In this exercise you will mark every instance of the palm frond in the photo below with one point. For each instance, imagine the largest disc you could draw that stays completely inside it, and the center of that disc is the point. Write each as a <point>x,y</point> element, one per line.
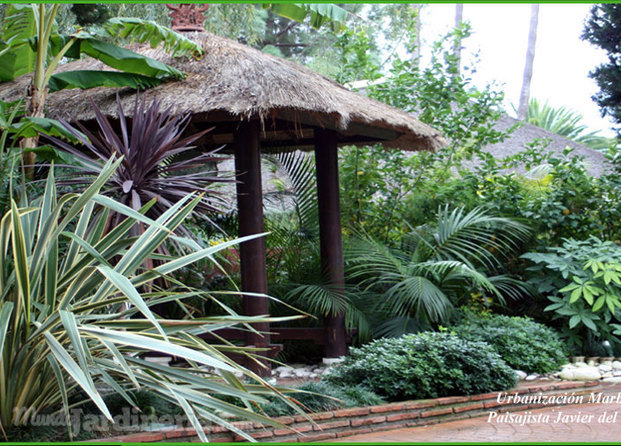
<point>564,122</point>
<point>418,296</point>
<point>476,236</point>
<point>426,276</point>
<point>511,287</point>
<point>298,168</point>
<point>395,327</point>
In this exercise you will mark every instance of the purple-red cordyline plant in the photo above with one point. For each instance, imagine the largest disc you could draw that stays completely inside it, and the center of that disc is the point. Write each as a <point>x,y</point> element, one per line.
<point>156,159</point>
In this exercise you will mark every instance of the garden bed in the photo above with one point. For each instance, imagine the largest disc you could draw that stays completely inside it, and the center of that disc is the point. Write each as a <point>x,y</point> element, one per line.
<point>360,420</point>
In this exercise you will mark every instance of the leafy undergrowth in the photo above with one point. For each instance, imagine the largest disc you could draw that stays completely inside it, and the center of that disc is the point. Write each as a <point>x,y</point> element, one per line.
<point>323,396</point>
<point>523,343</point>
<point>424,365</point>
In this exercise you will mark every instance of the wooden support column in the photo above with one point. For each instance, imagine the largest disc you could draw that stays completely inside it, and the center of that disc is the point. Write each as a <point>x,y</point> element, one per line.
<point>331,243</point>
<point>250,214</point>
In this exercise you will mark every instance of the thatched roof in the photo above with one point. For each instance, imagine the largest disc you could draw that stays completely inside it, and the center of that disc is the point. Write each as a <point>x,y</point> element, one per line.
<point>595,161</point>
<point>234,82</point>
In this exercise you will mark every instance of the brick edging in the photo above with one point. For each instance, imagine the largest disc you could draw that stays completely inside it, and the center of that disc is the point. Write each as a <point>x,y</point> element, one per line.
<point>361,420</point>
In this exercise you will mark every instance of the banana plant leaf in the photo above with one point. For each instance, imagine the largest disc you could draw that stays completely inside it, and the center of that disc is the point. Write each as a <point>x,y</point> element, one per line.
<point>139,30</point>
<point>30,126</point>
<point>86,79</point>
<point>319,13</point>
<point>112,55</point>
<point>16,59</point>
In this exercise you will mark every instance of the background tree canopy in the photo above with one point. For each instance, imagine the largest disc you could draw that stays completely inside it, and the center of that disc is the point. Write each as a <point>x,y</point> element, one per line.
<point>603,29</point>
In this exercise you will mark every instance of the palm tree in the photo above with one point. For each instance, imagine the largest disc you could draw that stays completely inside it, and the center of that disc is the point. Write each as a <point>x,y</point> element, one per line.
<point>418,284</point>
<point>459,18</point>
<point>294,260</point>
<point>565,122</point>
<point>416,9</point>
<point>530,58</point>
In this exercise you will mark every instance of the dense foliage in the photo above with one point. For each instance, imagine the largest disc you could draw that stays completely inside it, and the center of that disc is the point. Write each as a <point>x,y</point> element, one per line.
<point>583,281</point>
<point>425,232</point>
<point>154,146</point>
<point>377,182</point>
<point>523,344</point>
<point>603,28</point>
<point>436,266</point>
<point>425,365</point>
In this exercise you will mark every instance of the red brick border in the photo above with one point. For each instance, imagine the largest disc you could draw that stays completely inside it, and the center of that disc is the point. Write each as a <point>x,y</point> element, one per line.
<point>361,420</point>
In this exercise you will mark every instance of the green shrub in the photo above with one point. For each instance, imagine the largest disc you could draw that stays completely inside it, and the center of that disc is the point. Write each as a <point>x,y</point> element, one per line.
<point>582,280</point>
<point>523,343</point>
<point>424,365</point>
<point>324,396</point>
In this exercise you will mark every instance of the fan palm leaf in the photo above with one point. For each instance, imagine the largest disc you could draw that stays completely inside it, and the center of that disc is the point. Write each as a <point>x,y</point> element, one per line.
<point>423,278</point>
<point>294,255</point>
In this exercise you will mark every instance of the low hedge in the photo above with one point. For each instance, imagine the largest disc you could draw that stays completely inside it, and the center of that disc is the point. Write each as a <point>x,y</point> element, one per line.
<point>523,343</point>
<point>424,365</point>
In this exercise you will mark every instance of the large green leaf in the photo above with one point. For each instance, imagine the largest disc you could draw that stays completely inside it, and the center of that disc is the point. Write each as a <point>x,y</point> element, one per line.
<point>19,25</point>
<point>129,61</point>
<point>142,31</point>
<point>114,56</point>
<point>319,13</point>
<point>86,79</point>
<point>30,126</point>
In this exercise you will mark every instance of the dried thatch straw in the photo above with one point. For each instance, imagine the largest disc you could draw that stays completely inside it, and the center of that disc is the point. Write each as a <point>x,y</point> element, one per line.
<point>594,160</point>
<point>240,82</point>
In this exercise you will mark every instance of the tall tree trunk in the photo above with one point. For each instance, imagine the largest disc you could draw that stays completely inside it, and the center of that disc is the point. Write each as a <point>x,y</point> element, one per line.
<point>417,24</point>
<point>528,67</point>
<point>459,17</point>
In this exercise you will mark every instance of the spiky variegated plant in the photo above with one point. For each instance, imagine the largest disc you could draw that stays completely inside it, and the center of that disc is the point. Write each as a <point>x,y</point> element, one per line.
<point>154,166</point>
<point>72,318</point>
<point>419,283</point>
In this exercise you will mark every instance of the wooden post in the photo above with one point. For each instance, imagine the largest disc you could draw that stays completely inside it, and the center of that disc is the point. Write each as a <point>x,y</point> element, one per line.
<point>250,215</point>
<point>331,243</point>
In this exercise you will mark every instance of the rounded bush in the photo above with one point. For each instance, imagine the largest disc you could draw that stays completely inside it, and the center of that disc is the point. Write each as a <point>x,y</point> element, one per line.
<point>523,343</point>
<point>424,365</point>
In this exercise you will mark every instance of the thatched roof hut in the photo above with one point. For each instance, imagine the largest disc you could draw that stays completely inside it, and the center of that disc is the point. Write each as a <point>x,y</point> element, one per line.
<point>258,103</point>
<point>595,162</point>
<point>235,82</point>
